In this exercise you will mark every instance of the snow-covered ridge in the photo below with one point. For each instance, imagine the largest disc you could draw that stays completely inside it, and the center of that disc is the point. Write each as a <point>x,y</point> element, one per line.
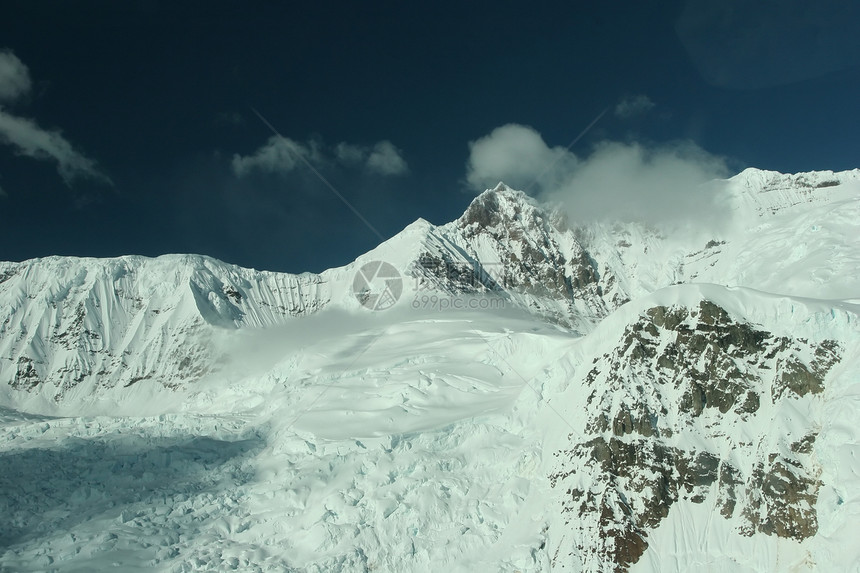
<point>770,192</point>
<point>82,324</point>
<point>215,286</point>
<point>77,324</point>
<point>69,321</point>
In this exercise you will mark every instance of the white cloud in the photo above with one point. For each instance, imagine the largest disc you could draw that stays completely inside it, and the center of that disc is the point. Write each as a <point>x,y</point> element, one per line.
<point>29,139</point>
<point>14,77</point>
<point>283,155</point>
<point>32,141</point>
<point>350,154</point>
<point>517,155</point>
<point>385,159</point>
<point>626,181</point>
<point>278,155</point>
<point>666,184</point>
<point>633,105</point>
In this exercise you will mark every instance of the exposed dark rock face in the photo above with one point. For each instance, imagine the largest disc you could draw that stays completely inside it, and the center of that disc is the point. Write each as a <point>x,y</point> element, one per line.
<point>26,376</point>
<point>534,255</point>
<point>782,496</point>
<point>484,212</point>
<point>457,277</point>
<point>531,258</point>
<point>675,371</point>
<point>629,499</point>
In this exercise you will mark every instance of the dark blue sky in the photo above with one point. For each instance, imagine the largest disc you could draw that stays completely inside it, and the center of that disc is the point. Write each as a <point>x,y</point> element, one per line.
<point>383,99</point>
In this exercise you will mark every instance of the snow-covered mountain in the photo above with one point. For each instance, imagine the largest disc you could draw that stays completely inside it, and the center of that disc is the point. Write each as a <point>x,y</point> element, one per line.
<point>78,325</point>
<point>508,391</point>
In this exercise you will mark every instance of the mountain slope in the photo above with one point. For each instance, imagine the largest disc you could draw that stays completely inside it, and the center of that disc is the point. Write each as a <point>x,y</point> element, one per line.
<point>527,395</point>
<point>81,325</point>
<point>84,325</point>
<point>684,402</point>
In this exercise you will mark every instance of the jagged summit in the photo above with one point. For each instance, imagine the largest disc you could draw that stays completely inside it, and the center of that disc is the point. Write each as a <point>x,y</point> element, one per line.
<point>503,207</point>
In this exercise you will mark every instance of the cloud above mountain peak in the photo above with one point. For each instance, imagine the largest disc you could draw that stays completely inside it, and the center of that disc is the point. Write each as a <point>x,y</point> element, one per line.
<point>626,181</point>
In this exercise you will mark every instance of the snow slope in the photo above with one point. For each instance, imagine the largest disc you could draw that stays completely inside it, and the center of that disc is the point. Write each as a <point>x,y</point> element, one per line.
<point>538,398</point>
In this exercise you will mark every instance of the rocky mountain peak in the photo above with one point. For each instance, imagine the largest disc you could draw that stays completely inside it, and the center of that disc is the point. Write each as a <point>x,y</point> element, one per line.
<point>502,208</point>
